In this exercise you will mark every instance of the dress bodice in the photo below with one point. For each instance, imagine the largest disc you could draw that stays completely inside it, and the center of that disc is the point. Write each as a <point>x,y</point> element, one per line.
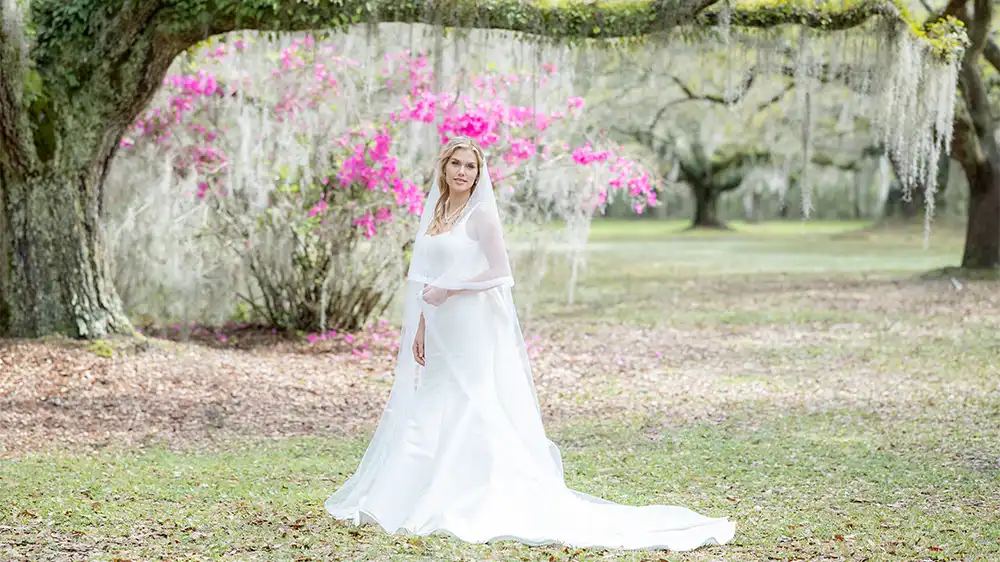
<point>451,255</point>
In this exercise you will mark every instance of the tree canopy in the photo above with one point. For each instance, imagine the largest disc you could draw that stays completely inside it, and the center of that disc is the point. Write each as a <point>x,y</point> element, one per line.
<point>65,44</point>
<point>74,74</point>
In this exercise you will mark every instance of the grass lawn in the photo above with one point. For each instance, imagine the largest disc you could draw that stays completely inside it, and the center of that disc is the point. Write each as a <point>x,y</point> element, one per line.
<point>799,379</point>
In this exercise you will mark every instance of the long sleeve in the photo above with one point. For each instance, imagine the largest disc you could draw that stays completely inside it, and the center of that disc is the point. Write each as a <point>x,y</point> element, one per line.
<point>485,228</point>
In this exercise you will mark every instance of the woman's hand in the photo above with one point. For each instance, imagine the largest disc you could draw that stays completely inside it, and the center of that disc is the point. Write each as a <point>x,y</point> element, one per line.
<point>435,296</point>
<point>418,345</point>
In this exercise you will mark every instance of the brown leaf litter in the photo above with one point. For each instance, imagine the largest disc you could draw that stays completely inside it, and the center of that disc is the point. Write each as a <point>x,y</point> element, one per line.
<point>56,393</point>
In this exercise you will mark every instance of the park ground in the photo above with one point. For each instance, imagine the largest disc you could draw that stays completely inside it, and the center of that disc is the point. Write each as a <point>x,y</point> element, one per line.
<point>802,379</point>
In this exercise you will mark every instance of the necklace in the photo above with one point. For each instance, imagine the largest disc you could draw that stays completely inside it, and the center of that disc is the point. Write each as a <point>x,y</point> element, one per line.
<point>445,221</point>
<point>450,217</point>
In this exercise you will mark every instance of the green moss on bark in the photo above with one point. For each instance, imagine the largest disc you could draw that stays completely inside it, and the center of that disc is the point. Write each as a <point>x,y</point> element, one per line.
<point>560,20</point>
<point>56,280</point>
<point>42,115</point>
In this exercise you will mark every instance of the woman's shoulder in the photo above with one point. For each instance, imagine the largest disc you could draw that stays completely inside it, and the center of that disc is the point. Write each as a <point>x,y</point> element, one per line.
<point>485,213</point>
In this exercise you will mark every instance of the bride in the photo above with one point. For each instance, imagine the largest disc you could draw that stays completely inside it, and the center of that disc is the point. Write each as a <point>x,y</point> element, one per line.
<point>460,448</point>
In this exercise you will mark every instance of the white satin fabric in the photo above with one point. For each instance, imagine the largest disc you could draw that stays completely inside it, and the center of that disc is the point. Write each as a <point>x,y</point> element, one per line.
<point>460,448</point>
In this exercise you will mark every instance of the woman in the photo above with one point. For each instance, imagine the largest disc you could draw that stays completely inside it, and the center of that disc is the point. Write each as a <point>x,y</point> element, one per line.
<point>460,448</point>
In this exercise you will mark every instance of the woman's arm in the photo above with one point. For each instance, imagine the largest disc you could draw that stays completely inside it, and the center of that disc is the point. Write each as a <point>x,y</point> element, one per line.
<point>453,292</point>
<point>488,232</point>
<point>418,342</point>
<point>484,228</point>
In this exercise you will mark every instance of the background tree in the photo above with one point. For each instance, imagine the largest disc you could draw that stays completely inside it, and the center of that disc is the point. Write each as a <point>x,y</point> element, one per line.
<point>974,144</point>
<point>741,136</point>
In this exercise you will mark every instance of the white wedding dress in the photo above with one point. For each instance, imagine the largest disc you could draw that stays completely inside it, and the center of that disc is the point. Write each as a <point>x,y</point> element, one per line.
<point>460,448</point>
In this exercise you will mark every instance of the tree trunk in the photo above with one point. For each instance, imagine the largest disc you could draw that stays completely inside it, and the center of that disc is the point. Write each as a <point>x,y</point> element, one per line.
<point>53,271</point>
<point>982,235</point>
<point>974,145</point>
<point>706,210</point>
<point>54,277</point>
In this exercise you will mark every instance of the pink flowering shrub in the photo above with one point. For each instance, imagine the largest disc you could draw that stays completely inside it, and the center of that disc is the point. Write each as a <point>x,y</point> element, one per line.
<point>311,175</point>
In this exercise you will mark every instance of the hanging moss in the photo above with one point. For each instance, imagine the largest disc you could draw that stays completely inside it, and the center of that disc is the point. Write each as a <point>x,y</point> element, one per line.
<point>73,38</point>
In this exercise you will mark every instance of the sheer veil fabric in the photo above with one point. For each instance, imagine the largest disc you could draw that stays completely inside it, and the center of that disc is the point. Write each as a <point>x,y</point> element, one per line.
<point>460,448</point>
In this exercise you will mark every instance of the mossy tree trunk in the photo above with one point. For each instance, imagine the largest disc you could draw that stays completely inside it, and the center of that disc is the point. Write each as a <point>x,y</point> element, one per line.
<point>55,276</point>
<point>69,92</point>
<point>62,123</point>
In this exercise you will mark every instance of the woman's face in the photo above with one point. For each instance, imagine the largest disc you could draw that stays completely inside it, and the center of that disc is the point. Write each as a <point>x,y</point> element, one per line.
<point>461,170</point>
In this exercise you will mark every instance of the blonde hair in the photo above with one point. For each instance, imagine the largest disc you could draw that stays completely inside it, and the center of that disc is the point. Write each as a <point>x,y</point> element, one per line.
<point>443,158</point>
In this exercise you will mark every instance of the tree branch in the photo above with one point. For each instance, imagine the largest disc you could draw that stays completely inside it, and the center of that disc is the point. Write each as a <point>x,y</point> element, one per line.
<point>848,76</point>
<point>971,80</point>
<point>691,96</point>
<point>565,20</point>
<point>775,98</point>
<point>979,27</point>
<point>739,160</point>
<point>954,8</point>
<point>991,52</point>
<point>653,142</point>
<point>826,19</point>
<point>660,146</point>
<point>747,83</point>
<point>658,116</point>
<point>127,26</point>
<point>673,13</point>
